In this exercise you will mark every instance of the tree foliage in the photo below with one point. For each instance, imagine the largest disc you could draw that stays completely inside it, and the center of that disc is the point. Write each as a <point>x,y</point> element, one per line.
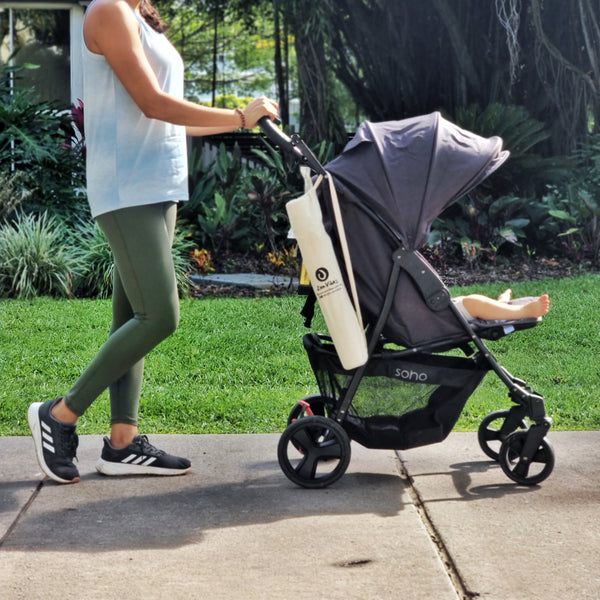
<point>401,58</point>
<point>226,46</point>
<point>406,58</point>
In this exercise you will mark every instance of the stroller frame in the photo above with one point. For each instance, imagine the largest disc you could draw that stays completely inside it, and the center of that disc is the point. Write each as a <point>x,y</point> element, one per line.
<point>314,449</point>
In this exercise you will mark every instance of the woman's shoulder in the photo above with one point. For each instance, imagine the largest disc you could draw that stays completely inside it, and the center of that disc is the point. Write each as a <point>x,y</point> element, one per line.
<point>107,11</point>
<point>107,20</point>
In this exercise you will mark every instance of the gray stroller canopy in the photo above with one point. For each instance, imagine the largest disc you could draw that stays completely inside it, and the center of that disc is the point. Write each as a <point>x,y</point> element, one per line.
<point>409,171</point>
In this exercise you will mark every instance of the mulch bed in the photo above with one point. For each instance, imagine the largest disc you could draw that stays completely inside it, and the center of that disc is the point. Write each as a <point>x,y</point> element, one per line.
<point>542,268</point>
<point>453,275</point>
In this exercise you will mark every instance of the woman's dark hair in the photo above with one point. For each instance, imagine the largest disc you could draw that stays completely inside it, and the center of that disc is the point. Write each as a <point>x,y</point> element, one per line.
<point>152,17</point>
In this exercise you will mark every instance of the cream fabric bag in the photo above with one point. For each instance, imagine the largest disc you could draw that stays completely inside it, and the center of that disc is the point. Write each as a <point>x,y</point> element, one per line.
<point>343,319</point>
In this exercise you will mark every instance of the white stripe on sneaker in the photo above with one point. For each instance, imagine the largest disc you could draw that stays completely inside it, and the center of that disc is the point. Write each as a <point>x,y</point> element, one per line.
<point>47,439</point>
<point>142,459</point>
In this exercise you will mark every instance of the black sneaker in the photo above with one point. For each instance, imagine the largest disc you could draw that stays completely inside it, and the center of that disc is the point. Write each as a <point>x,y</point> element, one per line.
<point>140,458</point>
<point>55,443</point>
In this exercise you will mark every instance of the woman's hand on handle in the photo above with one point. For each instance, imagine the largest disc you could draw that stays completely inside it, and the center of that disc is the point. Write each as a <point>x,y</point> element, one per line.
<point>258,108</point>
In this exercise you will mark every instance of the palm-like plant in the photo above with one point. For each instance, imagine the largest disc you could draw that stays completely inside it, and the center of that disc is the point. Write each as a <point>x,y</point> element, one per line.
<point>35,259</point>
<point>526,172</point>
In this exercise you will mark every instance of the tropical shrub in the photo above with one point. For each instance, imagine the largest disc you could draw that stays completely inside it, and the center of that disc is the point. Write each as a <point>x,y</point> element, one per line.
<point>13,192</point>
<point>572,222</point>
<point>96,277</point>
<point>236,207</point>
<point>525,173</point>
<point>286,170</point>
<point>37,140</point>
<point>504,215</point>
<point>233,208</point>
<point>218,202</point>
<point>585,199</point>
<point>566,219</point>
<point>480,228</point>
<point>267,195</point>
<point>183,247</point>
<point>35,259</point>
<point>280,182</point>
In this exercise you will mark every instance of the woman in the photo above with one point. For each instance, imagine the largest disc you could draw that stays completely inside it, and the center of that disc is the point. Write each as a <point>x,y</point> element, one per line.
<point>136,121</point>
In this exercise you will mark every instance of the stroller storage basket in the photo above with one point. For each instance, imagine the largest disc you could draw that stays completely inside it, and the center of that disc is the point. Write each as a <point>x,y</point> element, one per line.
<point>404,399</point>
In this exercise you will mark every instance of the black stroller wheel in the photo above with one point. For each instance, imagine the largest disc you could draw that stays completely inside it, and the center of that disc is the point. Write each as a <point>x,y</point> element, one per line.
<point>308,406</point>
<point>491,434</point>
<point>526,472</point>
<point>314,452</point>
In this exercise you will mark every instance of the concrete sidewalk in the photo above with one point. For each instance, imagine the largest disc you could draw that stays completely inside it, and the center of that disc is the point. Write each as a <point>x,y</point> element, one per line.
<point>434,523</point>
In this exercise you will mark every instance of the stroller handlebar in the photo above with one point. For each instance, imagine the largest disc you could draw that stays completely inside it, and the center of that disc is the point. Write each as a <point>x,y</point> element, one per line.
<point>292,145</point>
<point>276,135</point>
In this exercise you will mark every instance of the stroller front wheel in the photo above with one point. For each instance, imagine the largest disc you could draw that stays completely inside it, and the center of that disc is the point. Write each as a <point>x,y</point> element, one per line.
<point>526,470</point>
<point>314,452</point>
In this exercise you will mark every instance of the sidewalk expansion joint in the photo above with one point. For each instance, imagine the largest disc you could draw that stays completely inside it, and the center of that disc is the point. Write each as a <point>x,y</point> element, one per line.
<point>456,580</point>
<point>23,510</point>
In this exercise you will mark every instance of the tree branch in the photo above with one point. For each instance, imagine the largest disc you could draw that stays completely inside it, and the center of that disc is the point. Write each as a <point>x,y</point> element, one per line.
<point>554,51</point>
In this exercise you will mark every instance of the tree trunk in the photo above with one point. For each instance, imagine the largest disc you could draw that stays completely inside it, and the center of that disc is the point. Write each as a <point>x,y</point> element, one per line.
<point>215,49</point>
<point>281,86</point>
<point>319,114</point>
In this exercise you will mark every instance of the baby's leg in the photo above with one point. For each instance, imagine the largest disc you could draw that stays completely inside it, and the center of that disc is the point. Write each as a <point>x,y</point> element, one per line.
<point>482,307</point>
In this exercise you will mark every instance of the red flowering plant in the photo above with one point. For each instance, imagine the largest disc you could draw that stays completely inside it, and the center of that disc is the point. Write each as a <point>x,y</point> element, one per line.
<point>76,135</point>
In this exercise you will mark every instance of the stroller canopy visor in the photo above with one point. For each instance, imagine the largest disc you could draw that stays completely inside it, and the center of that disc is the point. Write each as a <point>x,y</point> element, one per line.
<point>409,171</point>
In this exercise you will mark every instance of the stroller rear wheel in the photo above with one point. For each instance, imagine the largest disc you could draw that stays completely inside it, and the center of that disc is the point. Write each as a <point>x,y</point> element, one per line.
<point>526,470</point>
<point>495,428</point>
<point>307,407</point>
<point>314,452</point>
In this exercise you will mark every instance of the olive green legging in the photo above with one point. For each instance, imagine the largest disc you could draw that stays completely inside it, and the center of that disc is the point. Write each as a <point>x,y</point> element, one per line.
<point>145,308</point>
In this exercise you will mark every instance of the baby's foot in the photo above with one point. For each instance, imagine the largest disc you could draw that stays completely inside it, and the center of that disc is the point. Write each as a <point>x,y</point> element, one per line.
<point>538,307</point>
<point>505,296</point>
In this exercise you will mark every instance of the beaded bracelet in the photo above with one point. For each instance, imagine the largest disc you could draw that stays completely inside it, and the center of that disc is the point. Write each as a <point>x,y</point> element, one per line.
<point>242,116</point>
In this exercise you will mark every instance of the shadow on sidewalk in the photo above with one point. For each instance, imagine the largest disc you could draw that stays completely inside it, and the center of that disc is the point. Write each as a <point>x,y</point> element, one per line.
<point>99,514</point>
<point>462,478</point>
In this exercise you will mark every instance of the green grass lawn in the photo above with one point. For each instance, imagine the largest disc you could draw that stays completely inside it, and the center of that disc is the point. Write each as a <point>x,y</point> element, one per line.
<point>238,365</point>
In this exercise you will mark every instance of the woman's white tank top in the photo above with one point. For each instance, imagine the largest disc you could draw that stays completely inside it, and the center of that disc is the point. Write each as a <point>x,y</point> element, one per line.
<point>132,160</point>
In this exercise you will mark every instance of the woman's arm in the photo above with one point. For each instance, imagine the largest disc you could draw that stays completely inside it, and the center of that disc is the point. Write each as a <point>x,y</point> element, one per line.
<point>112,30</point>
<point>202,131</point>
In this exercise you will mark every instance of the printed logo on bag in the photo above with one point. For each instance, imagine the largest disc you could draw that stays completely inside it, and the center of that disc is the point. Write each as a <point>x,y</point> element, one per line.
<point>411,375</point>
<point>326,284</point>
<point>322,274</point>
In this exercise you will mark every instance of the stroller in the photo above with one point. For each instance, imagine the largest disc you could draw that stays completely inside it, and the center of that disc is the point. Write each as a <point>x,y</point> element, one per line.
<point>424,359</point>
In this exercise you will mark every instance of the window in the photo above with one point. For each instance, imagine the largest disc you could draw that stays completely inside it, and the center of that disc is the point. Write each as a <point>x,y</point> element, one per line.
<point>41,38</point>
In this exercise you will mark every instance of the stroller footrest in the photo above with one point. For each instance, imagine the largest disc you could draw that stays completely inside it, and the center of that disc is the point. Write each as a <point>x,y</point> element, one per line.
<point>494,330</point>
